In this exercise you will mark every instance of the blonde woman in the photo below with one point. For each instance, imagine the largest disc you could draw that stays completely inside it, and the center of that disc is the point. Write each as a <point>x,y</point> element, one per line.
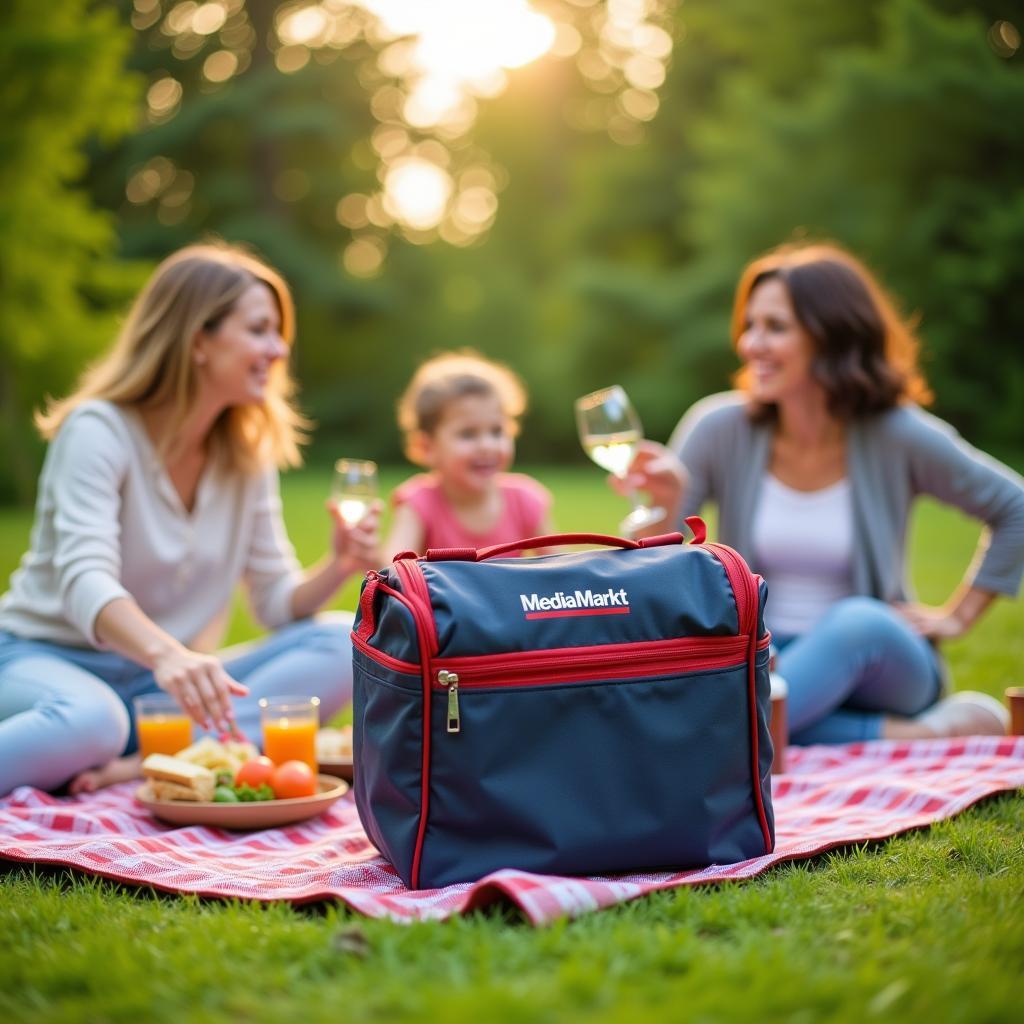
<point>159,493</point>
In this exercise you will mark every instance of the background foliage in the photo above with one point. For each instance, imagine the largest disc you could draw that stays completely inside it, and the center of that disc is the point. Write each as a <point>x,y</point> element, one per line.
<point>62,83</point>
<point>893,126</point>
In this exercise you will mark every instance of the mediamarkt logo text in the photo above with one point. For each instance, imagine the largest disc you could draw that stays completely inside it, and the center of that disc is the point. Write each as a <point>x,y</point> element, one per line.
<point>578,602</point>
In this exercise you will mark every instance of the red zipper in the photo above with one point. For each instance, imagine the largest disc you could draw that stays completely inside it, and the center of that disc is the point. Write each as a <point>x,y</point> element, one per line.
<point>415,585</point>
<point>417,600</point>
<point>395,664</point>
<point>604,661</point>
<point>744,588</point>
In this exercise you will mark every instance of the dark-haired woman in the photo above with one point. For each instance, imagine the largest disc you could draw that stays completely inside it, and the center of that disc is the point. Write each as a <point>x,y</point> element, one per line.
<point>814,464</point>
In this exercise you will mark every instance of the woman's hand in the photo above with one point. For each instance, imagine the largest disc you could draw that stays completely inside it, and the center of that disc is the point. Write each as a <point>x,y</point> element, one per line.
<point>353,549</point>
<point>200,685</point>
<point>196,681</point>
<point>656,470</point>
<point>953,619</point>
<point>931,622</point>
<point>356,548</point>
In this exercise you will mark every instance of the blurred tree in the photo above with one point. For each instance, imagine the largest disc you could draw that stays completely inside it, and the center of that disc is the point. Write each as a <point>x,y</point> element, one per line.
<point>582,217</point>
<point>63,83</point>
<point>234,146</point>
<point>280,123</point>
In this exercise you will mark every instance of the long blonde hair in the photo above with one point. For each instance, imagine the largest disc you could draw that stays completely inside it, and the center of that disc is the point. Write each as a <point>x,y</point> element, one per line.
<point>150,363</point>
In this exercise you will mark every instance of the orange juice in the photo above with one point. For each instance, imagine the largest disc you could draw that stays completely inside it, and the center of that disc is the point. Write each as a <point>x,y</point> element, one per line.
<point>164,734</point>
<point>290,739</point>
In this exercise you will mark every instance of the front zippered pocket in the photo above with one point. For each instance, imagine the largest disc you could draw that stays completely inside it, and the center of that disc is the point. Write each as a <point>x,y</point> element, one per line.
<point>602,663</point>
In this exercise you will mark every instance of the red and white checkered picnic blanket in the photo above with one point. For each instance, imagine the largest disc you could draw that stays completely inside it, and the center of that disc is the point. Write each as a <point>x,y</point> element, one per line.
<point>830,796</point>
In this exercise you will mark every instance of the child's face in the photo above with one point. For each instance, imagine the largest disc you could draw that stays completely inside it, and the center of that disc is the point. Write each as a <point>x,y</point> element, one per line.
<point>471,444</point>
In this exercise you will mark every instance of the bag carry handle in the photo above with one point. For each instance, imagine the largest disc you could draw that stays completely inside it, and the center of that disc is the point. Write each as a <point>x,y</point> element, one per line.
<point>695,523</point>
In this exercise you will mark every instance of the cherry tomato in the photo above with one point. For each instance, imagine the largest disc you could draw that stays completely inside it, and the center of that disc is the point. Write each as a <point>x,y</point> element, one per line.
<point>292,779</point>
<point>255,772</point>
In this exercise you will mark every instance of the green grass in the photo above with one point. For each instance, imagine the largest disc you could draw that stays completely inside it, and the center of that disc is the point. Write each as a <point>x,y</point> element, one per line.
<point>925,926</point>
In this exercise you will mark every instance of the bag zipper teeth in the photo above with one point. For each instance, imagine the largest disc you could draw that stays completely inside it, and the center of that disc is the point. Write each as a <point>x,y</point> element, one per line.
<point>419,599</point>
<point>750,600</point>
<point>426,637</point>
<point>575,667</point>
<point>745,602</point>
<point>396,664</point>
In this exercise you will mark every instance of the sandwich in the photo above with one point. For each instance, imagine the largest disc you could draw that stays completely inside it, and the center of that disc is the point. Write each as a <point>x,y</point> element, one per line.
<point>171,778</point>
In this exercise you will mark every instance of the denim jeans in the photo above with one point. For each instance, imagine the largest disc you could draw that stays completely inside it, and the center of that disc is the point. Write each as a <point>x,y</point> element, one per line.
<point>860,663</point>
<point>66,709</point>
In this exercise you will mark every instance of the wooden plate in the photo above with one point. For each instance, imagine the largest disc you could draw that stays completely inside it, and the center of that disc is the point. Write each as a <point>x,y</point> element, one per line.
<point>341,767</point>
<point>258,814</point>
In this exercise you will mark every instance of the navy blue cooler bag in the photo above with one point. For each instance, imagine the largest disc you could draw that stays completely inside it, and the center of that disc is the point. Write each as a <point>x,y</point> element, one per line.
<point>583,713</point>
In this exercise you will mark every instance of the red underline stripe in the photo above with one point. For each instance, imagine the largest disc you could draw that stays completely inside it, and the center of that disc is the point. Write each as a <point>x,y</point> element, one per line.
<point>577,611</point>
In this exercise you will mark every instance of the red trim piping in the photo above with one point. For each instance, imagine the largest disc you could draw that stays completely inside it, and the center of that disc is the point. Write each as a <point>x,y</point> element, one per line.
<point>744,588</point>
<point>426,638</point>
<point>584,664</point>
<point>367,621</point>
<point>385,660</point>
<point>411,574</point>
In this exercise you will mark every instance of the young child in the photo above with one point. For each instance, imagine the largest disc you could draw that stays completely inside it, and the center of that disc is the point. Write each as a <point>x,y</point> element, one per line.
<point>459,419</point>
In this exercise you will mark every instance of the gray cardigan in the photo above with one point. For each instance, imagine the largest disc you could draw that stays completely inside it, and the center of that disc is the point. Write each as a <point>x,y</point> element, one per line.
<point>891,459</point>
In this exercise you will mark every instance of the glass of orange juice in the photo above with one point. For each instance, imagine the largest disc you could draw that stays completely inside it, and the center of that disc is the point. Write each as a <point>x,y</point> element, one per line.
<point>289,728</point>
<point>162,726</point>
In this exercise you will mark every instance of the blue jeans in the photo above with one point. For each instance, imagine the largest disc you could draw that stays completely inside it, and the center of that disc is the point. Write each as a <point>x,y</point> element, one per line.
<point>860,663</point>
<point>66,709</point>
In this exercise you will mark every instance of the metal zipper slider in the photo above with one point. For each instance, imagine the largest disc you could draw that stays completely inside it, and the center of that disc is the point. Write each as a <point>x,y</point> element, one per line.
<point>451,680</point>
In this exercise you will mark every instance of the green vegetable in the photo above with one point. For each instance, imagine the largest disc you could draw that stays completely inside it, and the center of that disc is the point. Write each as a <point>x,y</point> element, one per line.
<point>224,795</point>
<point>246,794</point>
<point>226,779</point>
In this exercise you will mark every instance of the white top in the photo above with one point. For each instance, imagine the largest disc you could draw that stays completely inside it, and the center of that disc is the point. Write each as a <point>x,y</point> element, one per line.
<point>110,524</point>
<point>803,546</point>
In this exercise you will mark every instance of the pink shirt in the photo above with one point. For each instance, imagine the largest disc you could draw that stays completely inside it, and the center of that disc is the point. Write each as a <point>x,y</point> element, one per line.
<point>524,506</point>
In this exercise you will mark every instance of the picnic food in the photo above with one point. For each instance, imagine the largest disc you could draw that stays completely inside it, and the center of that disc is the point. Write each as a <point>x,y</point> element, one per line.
<point>255,773</point>
<point>293,779</point>
<point>172,778</point>
<point>219,757</point>
<point>334,744</point>
<point>256,778</point>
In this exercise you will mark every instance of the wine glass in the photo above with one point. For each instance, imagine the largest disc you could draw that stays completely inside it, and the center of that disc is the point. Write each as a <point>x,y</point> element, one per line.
<point>610,431</point>
<point>354,487</point>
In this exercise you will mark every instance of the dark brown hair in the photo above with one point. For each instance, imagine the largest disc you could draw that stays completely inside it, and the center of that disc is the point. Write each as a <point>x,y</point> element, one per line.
<point>866,356</point>
<point>446,378</point>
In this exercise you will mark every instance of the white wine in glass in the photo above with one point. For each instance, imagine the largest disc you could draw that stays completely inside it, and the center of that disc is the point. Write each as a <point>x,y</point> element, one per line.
<point>610,432</point>
<point>354,487</point>
<point>613,452</point>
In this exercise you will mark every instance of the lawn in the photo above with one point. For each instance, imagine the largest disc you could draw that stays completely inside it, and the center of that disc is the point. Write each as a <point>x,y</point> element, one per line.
<point>926,926</point>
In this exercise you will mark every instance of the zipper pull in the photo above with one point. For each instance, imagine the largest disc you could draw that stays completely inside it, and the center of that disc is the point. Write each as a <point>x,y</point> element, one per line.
<point>451,680</point>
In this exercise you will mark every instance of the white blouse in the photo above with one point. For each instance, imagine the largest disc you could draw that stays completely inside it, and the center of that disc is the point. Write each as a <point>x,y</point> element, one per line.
<point>109,523</point>
<point>803,546</point>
